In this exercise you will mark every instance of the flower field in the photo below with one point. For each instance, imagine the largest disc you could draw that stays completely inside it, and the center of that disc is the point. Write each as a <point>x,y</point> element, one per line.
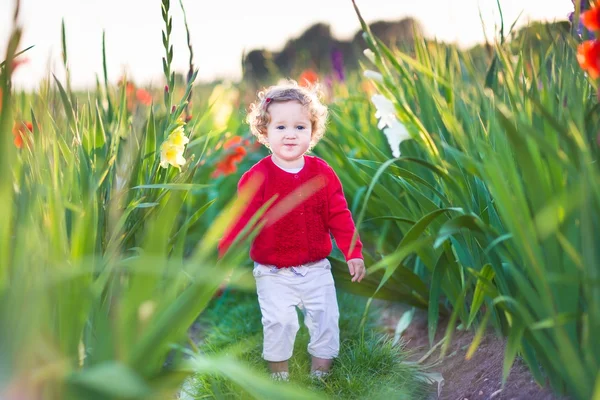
<point>474,181</point>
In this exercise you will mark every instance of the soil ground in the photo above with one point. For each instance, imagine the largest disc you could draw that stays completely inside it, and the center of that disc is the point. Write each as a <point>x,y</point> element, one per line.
<point>477,379</point>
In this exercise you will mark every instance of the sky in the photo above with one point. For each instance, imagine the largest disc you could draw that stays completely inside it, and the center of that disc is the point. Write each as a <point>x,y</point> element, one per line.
<point>221,30</point>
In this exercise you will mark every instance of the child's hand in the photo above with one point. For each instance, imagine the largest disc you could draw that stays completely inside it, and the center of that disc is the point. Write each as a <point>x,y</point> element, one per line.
<point>357,269</point>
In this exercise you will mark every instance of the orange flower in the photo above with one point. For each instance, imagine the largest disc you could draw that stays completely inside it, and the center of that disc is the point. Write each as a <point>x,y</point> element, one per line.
<point>129,89</point>
<point>143,96</point>
<point>240,151</point>
<point>588,55</point>
<point>225,167</point>
<point>234,141</point>
<point>228,165</point>
<point>591,18</point>
<point>308,77</point>
<point>129,95</point>
<point>20,133</point>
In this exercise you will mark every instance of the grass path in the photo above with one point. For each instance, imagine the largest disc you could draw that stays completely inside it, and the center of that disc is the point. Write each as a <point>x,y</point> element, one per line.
<point>368,366</point>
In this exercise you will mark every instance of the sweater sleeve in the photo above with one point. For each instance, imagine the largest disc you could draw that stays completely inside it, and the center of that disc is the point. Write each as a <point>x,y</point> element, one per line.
<point>247,212</point>
<point>341,224</point>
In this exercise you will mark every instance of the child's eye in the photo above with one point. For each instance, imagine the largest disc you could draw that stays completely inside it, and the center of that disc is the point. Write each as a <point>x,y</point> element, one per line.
<point>300,127</point>
<point>280,127</point>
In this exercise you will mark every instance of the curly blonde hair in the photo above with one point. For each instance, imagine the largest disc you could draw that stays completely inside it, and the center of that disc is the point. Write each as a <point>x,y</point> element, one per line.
<point>289,90</point>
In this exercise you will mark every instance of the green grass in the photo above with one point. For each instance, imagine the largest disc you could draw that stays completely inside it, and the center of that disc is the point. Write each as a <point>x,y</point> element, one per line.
<point>368,366</point>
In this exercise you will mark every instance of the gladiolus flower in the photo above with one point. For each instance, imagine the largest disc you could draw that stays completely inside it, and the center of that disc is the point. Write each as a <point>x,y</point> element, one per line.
<point>144,97</point>
<point>234,141</point>
<point>591,18</point>
<point>588,55</point>
<point>172,149</point>
<point>337,62</point>
<point>178,138</point>
<point>240,151</point>
<point>228,165</point>
<point>21,132</point>
<point>18,62</point>
<point>376,76</point>
<point>395,134</point>
<point>394,130</point>
<point>171,154</point>
<point>370,55</point>
<point>129,89</point>
<point>308,78</point>
<point>129,95</point>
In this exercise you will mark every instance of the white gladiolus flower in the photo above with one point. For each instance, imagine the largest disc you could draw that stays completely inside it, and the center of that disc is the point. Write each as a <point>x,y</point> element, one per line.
<point>393,129</point>
<point>376,76</point>
<point>386,111</point>
<point>396,134</point>
<point>370,55</point>
<point>172,149</point>
<point>171,154</point>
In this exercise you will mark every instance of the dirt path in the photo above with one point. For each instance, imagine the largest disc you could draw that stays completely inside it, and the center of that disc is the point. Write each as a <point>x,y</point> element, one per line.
<point>477,379</point>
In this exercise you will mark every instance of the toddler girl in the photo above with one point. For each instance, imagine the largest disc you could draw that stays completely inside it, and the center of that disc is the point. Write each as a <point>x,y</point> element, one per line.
<point>289,252</point>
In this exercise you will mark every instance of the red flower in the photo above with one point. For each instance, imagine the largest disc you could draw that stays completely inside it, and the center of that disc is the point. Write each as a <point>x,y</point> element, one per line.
<point>234,141</point>
<point>129,89</point>
<point>591,18</point>
<point>144,97</point>
<point>21,132</point>
<point>228,165</point>
<point>588,55</point>
<point>129,95</point>
<point>308,77</point>
<point>240,151</point>
<point>16,63</point>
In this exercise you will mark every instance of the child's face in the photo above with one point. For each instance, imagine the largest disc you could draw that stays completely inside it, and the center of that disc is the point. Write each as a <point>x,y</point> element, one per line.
<point>289,133</point>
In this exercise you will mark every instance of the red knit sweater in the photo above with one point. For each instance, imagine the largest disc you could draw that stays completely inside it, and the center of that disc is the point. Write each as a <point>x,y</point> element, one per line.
<point>309,205</point>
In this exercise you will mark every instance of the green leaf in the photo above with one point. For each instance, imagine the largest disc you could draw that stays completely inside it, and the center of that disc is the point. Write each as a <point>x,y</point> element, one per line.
<point>417,229</point>
<point>513,345</point>
<point>66,103</point>
<point>481,330</point>
<point>150,155</point>
<point>173,186</point>
<point>596,395</point>
<point>455,225</point>
<point>99,134</point>
<point>487,272</point>
<point>111,379</point>
<point>434,295</point>
<point>16,55</point>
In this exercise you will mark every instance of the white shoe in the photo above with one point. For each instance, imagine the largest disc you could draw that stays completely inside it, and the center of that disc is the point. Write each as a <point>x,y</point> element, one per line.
<point>318,374</point>
<point>280,376</point>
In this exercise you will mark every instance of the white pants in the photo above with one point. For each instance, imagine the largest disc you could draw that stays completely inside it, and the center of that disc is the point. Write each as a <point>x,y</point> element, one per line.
<point>312,290</point>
